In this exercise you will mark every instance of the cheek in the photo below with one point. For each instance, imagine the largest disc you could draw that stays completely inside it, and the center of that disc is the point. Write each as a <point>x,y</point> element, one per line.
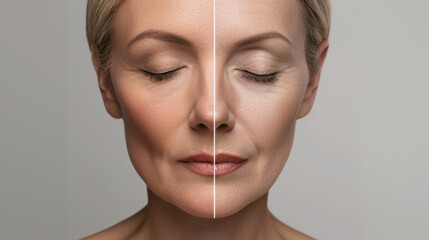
<point>148,134</point>
<point>146,122</point>
<point>152,114</point>
<point>152,124</point>
<point>265,122</point>
<point>272,124</point>
<point>156,128</point>
<point>270,118</point>
<point>272,131</point>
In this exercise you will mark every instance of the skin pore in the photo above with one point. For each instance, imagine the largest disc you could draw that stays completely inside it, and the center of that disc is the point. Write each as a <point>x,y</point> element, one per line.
<point>161,83</point>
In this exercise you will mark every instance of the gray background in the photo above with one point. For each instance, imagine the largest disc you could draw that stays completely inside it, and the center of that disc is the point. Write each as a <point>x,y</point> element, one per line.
<point>358,169</point>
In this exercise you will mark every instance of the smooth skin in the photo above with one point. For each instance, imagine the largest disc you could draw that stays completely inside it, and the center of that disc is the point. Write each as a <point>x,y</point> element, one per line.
<point>161,83</point>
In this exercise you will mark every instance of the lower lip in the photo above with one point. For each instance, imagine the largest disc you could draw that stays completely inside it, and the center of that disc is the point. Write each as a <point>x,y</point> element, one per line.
<point>206,168</point>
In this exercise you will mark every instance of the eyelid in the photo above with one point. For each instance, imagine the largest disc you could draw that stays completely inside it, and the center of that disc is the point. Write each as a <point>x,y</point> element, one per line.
<point>265,78</point>
<point>258,74</point>
<point>161,76</point>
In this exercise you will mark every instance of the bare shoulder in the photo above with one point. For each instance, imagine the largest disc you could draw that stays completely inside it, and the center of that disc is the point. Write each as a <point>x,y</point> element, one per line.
<point>289,233</point>
<point>121,230</point>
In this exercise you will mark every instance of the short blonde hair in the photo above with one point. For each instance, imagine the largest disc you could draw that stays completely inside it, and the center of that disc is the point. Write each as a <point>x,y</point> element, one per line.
<point>317,15</point>
<point>99,15</point>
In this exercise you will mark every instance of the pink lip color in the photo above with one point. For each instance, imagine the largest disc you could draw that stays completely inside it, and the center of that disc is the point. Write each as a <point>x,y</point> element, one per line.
<point>202,163</point>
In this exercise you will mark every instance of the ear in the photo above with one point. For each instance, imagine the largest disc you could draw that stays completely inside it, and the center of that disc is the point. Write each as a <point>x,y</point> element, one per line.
<point>110,100</point>
<point>313,83</point>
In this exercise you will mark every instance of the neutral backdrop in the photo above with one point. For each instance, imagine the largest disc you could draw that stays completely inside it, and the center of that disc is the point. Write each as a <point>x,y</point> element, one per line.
<point>358,169</point>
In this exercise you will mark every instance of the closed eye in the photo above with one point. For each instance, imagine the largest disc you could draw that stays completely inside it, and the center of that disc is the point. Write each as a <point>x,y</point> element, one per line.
<point>161,76</point>
<point>264,78</point>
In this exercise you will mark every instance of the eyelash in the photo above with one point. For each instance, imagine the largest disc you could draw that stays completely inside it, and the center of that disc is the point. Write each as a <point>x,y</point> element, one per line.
<point>265,78</point>
<point>161,76</point>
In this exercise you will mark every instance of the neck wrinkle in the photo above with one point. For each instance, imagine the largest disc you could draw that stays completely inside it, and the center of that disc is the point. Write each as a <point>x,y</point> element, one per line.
<point>164,221</point>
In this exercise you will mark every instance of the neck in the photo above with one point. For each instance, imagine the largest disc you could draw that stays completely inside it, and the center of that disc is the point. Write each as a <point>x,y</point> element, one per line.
<point>161,220</point>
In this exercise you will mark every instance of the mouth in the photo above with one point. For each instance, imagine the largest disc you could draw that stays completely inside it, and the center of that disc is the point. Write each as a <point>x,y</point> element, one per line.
<point>206,165</point>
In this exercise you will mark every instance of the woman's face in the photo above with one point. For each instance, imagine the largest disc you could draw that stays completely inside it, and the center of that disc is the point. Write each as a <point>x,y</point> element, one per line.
<point>177,89</point>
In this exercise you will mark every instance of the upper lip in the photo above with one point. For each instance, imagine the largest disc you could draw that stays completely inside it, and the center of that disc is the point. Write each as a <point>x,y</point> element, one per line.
<point>208,158</point>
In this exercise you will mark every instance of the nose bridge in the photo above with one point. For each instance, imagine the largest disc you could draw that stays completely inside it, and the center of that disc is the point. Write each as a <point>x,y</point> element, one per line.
<point>211,110</point>
<point>203,113</point>
<point>223,115</point>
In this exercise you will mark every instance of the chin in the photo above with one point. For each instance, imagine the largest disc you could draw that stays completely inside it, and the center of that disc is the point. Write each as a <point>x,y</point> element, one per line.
<point>200,210</point>
<point>195,200</point>
<point>227,208</point>
<point>232,200</point>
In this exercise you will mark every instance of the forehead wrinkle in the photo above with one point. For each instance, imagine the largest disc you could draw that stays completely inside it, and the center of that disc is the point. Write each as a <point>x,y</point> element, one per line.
<point>191,20</point>
<point>241,17</point>
<point>161,36</point>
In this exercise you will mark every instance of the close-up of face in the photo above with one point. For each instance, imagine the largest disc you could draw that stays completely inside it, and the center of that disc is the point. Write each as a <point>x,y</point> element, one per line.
<point>214,119</point>
<point>262,79</point>
<point>162,73</point>
<point>175,98</point>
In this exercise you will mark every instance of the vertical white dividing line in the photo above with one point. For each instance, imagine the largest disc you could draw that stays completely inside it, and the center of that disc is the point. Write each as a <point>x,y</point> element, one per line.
<point>214,108</point>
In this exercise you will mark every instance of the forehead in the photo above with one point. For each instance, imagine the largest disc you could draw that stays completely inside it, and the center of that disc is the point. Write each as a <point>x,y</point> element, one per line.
<point>240,18</point>
<point>192,19</point>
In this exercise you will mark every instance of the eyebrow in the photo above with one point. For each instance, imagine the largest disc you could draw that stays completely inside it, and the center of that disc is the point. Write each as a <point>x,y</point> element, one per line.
<point>260,37</point>
<point>162,36</point>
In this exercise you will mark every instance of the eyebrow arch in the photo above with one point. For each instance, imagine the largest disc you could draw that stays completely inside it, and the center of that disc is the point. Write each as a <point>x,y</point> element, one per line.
<point>162,36</point>
<point>260,37</point>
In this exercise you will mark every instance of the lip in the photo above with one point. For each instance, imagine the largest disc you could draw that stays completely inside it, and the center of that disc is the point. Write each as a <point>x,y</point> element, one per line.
<point>204,163</point>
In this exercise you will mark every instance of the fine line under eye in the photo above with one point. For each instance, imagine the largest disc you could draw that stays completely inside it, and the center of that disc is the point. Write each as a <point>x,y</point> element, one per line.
<point>161,76</point>
<point>265,78</point>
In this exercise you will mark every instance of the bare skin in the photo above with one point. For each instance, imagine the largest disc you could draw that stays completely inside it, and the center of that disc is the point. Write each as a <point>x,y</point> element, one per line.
<point>252,223</point>
<point>262,87</point>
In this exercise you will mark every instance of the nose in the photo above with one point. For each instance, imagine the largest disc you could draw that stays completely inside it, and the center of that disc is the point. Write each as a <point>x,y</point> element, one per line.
<point>224,118</point>
<point>211,111</point>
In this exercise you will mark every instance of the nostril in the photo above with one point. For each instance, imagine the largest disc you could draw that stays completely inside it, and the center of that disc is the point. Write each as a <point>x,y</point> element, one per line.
<point>201,126</point>
<point>223,126</point>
